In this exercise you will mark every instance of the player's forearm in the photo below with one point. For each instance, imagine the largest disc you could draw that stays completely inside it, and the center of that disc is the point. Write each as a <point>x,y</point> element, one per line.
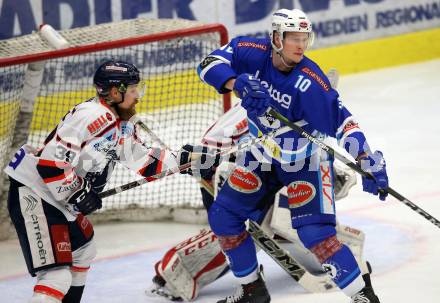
<point>356,145</point>
<point>216,73</point>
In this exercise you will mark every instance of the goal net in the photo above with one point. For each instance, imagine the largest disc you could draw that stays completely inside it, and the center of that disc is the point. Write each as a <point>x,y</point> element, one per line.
<point>40,84</point>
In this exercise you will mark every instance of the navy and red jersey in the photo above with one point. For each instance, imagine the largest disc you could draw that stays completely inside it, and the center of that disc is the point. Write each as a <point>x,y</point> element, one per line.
<point>87,143</point>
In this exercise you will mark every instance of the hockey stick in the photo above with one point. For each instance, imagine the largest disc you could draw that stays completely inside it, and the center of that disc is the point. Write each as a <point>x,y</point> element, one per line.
<point>262,240</point>
<point>266,243</point>
<point>140,182</point>
<point>278,254</point>
<point>286,261</point>
<point>352,165</point>
<point>133,184</point>
<point>162,144</point>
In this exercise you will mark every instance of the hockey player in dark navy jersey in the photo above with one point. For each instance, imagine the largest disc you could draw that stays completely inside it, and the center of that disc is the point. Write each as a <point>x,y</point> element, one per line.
<point>275,73</point>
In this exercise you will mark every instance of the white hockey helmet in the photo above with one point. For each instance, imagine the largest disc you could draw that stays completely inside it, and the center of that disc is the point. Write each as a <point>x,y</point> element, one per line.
<point>286,20</point>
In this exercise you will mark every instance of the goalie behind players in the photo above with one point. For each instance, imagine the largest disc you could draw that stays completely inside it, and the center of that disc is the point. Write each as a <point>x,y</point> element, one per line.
<point>198,261</point>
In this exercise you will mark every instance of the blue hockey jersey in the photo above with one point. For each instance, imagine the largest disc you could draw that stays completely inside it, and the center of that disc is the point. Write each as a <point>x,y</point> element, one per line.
<point>303,95</point>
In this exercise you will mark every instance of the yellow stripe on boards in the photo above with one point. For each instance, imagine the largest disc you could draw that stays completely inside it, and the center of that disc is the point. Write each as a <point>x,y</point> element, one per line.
<point>163,91</point>
<point>8,114</point>
<point>379,53</point>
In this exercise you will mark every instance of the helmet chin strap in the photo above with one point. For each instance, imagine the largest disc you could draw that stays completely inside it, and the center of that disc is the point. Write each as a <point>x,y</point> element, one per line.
<point>279,53</point>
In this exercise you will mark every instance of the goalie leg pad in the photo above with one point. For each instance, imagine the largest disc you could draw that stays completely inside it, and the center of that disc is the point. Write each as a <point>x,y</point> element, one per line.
<point>192,264</point>
<point>344,179</point>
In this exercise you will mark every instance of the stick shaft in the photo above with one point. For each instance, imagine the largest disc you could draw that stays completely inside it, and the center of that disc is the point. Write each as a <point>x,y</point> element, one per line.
<point>356,167</point>
<point>180,168</point>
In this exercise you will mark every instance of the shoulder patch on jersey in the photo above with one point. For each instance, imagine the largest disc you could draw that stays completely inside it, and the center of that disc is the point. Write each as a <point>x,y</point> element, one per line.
<point>208,60</point>
<point>316,77</point>
<point>253,45</point>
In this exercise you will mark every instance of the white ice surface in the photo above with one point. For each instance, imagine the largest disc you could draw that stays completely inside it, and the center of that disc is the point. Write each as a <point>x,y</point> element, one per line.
<point>399,110</point>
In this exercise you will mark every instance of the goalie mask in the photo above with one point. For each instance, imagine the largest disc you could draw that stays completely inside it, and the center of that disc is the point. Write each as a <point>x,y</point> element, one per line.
<point>117,74</point>
<point>286,20</point>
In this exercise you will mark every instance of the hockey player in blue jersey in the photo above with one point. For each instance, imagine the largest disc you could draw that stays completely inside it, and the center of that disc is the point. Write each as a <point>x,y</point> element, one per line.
<point>275,73</point>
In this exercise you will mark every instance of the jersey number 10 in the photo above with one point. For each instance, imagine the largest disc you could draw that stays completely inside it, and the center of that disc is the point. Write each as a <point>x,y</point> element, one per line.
<point>302,83</point>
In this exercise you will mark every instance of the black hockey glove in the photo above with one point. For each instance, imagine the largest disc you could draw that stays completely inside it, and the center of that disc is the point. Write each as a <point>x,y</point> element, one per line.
<point>85,199</point>
<point>204,160</point>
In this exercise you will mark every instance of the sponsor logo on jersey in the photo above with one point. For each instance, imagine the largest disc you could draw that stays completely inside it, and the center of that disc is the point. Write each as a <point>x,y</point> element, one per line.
<point>244,181</point>
<point>316,77</point>
<point>243,124</point>
<point>300,193</point>
<point>97,125</point>
<point>107,143</point>
<point>253,45</point>
<point>69,187</point>
<point>63,246</point>
<point>283,99</point>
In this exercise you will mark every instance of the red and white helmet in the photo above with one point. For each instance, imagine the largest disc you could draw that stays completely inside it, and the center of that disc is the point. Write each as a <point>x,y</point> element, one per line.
<point>286,20</point>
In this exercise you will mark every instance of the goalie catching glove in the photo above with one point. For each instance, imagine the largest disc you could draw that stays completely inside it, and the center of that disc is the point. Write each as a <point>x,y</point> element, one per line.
<point>203,160</point>
<point>85,200</point>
